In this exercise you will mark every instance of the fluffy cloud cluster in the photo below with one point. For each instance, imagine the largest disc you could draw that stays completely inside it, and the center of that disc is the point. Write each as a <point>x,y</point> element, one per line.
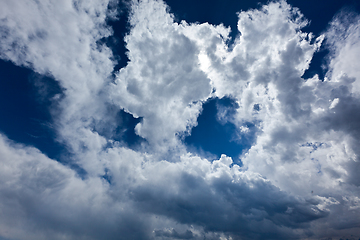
<point>299,179</point>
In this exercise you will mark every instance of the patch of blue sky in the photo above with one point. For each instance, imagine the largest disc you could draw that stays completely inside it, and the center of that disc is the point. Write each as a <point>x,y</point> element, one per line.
<point>26,106</point>
<point>215,134</point>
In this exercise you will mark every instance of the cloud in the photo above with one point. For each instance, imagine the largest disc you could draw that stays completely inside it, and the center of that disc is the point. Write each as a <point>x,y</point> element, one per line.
<point>162,82</point>
<point>40,188</point>
<point>342,40</point>
<point>298,180</point>
<point>223,199</point>
<point>310,137</point>
<point>34,189</point>
<point>42,197</point>
<point>61,40</point>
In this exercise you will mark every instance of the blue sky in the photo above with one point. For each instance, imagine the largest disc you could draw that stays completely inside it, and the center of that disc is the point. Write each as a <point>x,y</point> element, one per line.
<point>179,119</point>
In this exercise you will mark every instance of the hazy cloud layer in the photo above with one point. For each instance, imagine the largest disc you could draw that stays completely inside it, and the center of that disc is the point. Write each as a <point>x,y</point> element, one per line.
<point>299,180</point>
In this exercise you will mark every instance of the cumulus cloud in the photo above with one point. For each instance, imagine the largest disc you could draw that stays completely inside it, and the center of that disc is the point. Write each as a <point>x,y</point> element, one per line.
<point>298,180</point>
<point>41,198</point>
<point>60,39</point>
<point>307,142</point>
<point>162,82</point>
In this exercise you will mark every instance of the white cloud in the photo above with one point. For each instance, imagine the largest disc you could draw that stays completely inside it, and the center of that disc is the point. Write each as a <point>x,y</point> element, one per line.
<point>162,82</point>
<point>299,179</point>
<point>308,136</point>
<point>42,199</point>
<point>60,39</point>
<point>343,41</point>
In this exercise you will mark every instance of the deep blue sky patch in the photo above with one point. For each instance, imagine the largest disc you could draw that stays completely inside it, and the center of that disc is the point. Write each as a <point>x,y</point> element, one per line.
<point>25,106</point>
<point>216,136</point>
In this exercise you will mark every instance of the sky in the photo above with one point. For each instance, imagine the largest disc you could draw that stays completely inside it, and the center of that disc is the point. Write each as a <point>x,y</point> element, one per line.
<point>167,119</point>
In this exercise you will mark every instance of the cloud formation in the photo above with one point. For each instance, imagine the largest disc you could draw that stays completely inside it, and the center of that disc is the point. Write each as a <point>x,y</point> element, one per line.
<point>299,179</point>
